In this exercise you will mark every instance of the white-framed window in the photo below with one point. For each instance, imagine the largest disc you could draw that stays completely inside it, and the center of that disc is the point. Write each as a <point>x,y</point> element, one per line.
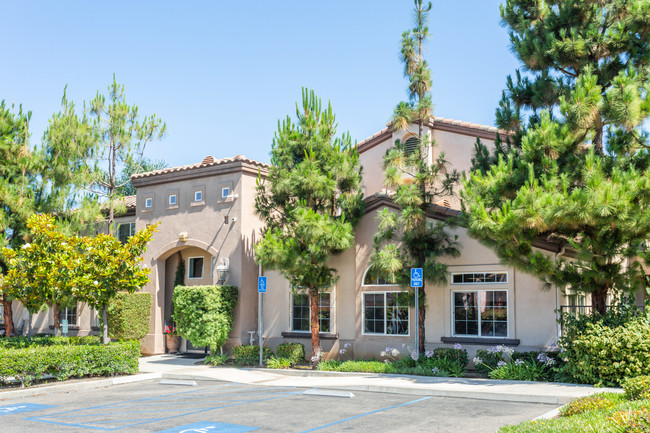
<point>198,195</point>
<point>479,277</point>
<point>374,278</point>
<point>384,313</point>
<point>69,314</point>
<point>172,199</point>
<point>148,202</point>
<point>480,313</point>
<point>125,231</point>
<point>225,192</point>
<point>300,313</point>
<point>195,267</point>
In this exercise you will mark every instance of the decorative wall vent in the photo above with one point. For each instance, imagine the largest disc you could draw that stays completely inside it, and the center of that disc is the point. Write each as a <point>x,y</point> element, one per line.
<point>208,160</point>
<point>444,203</point>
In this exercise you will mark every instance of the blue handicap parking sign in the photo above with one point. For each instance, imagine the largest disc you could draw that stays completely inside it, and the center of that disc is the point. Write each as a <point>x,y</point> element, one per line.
<point>261,284</point>
<point>416,277</point>
<point>22,407</point>
<point>210,427</point>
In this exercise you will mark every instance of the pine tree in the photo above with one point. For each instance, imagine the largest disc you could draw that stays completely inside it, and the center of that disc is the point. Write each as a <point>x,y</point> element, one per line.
<point>310,203</point>
<point>577,175</point>
<point>417,183</point>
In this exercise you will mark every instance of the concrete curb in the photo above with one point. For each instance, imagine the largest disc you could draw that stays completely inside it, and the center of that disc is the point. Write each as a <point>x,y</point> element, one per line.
<point>476,394</point>
<point>76,386</point>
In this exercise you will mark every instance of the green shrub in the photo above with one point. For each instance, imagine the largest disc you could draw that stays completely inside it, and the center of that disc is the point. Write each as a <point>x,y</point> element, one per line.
<point>279,362</point>
<point>64,361</point>
<point>487,360</point>
<point>47,340</point>
<point>250,355</point>
<point>294,352</point>
<point>329,365</point>
<point>586,404</point>
<point>605,355</point>
<point>457,355</point>
<point>637,388</point>
<point>204,314</point>
<point>128,315</point>
<point>631,421</point>
<point>215,359</point>
<point>519,369</point>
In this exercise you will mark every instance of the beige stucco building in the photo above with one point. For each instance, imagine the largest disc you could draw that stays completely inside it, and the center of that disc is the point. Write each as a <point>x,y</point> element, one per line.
<point>207,218</point>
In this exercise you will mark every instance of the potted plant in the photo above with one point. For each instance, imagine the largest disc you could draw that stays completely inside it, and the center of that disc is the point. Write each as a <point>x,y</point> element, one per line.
<point>172,339</point>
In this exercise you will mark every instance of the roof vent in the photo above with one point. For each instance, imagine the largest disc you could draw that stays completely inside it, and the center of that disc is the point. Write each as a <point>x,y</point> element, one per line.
<point>208,160</point>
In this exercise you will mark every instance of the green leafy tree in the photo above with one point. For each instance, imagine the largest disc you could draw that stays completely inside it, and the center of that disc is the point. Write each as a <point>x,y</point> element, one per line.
<point>16,193</point>
<point>116,136</point>
<point>60,269</point>
<point>124,186</point>
<point>577,174</point>
<point>310,203</point>
<point>409,239</point>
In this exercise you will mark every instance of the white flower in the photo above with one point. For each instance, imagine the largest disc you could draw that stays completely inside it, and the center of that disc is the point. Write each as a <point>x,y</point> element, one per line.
<point>435,370</point>
<point>394,352</point>
<point>428,353</point>
<point>25,246</point>
<point>342,351</point>
<point>96,282</point>
<point>346,345</point>
<point>519,362</point>
<point>414,356</point>
<point>458,346</point>
<point>477,360</point>
<point>501,364</point>
<point>382,353</point>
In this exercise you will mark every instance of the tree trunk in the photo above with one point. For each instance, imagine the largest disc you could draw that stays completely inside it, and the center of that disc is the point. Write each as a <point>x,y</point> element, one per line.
<point>29,325</point>
<point>57,319</point>
<point>8,315</point>
<point>599,301</point>
<point>314,300</point>
<point>421,315</point>
<point>105,339</point>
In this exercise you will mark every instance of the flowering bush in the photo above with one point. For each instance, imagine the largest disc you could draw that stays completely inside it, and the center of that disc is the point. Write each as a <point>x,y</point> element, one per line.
<point>586,404</point>
<point>637,388</point>
<point>632,421</point>
<point>503,363</point>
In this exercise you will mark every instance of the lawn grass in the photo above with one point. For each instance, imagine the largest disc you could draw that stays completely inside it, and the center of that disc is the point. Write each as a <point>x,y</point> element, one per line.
<point>620,415</point>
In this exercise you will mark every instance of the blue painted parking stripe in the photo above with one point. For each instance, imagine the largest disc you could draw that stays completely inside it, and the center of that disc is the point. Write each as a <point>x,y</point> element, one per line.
<point>42,419</point>
<point>365,414</point>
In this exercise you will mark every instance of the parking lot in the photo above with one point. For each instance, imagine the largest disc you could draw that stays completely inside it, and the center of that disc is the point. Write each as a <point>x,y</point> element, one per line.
<point>214,406</point>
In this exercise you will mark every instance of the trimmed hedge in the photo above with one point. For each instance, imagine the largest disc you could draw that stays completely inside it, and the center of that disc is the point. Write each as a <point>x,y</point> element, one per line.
<point>204,314</point>
<point>65,361</point>
<point>294,352</point>
<point>24,342</point>
<point>250,355</point>
<point>128,315</point>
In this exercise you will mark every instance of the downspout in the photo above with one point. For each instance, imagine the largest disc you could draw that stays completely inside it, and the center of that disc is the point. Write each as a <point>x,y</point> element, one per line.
<point>558,313</point>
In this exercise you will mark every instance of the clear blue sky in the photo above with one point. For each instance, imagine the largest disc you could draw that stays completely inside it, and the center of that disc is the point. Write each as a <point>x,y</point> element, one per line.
<point>221,74</point>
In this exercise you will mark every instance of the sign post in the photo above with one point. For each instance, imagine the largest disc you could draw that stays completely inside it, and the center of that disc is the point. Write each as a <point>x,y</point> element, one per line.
<point>64,327</point>
<point>416,283</point>
<point>261,290</point>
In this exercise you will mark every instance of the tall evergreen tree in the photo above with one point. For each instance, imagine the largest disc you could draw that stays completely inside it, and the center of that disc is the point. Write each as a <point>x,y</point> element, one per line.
<point>578,171</point>
<point>310,203</point>
<point>124,186</point>
<point>417,183</point>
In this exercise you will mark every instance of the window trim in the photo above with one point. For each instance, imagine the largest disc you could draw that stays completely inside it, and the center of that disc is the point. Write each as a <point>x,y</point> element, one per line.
<point>453,314</point>
<point>63,311</point>
<point>292,294</point>
<point>363,281</point>
<point>363,314</point>
<point>451,280</point>
<point>189,268</point>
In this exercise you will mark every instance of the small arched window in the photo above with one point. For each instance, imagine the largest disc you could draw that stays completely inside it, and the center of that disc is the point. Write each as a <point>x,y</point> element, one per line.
<point>376,278</point>
<point>411,145</point>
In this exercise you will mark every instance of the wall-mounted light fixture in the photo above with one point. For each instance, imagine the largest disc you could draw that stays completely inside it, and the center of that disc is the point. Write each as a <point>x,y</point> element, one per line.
<point>223,271</point>
<point>183,236</point>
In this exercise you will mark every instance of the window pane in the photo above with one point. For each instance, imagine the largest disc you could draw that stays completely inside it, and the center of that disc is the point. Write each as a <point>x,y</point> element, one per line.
<point>374,313</point>
<point>494,313</point>
<point>397,315</point>
<point>300,310</point>
<point>465,313</point>
<point>324,312</point>
<point>196,267</point>
<point>457,278</point>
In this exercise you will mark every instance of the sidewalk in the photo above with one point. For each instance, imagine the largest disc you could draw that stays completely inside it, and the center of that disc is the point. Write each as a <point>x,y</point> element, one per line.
<point>176,367</point>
